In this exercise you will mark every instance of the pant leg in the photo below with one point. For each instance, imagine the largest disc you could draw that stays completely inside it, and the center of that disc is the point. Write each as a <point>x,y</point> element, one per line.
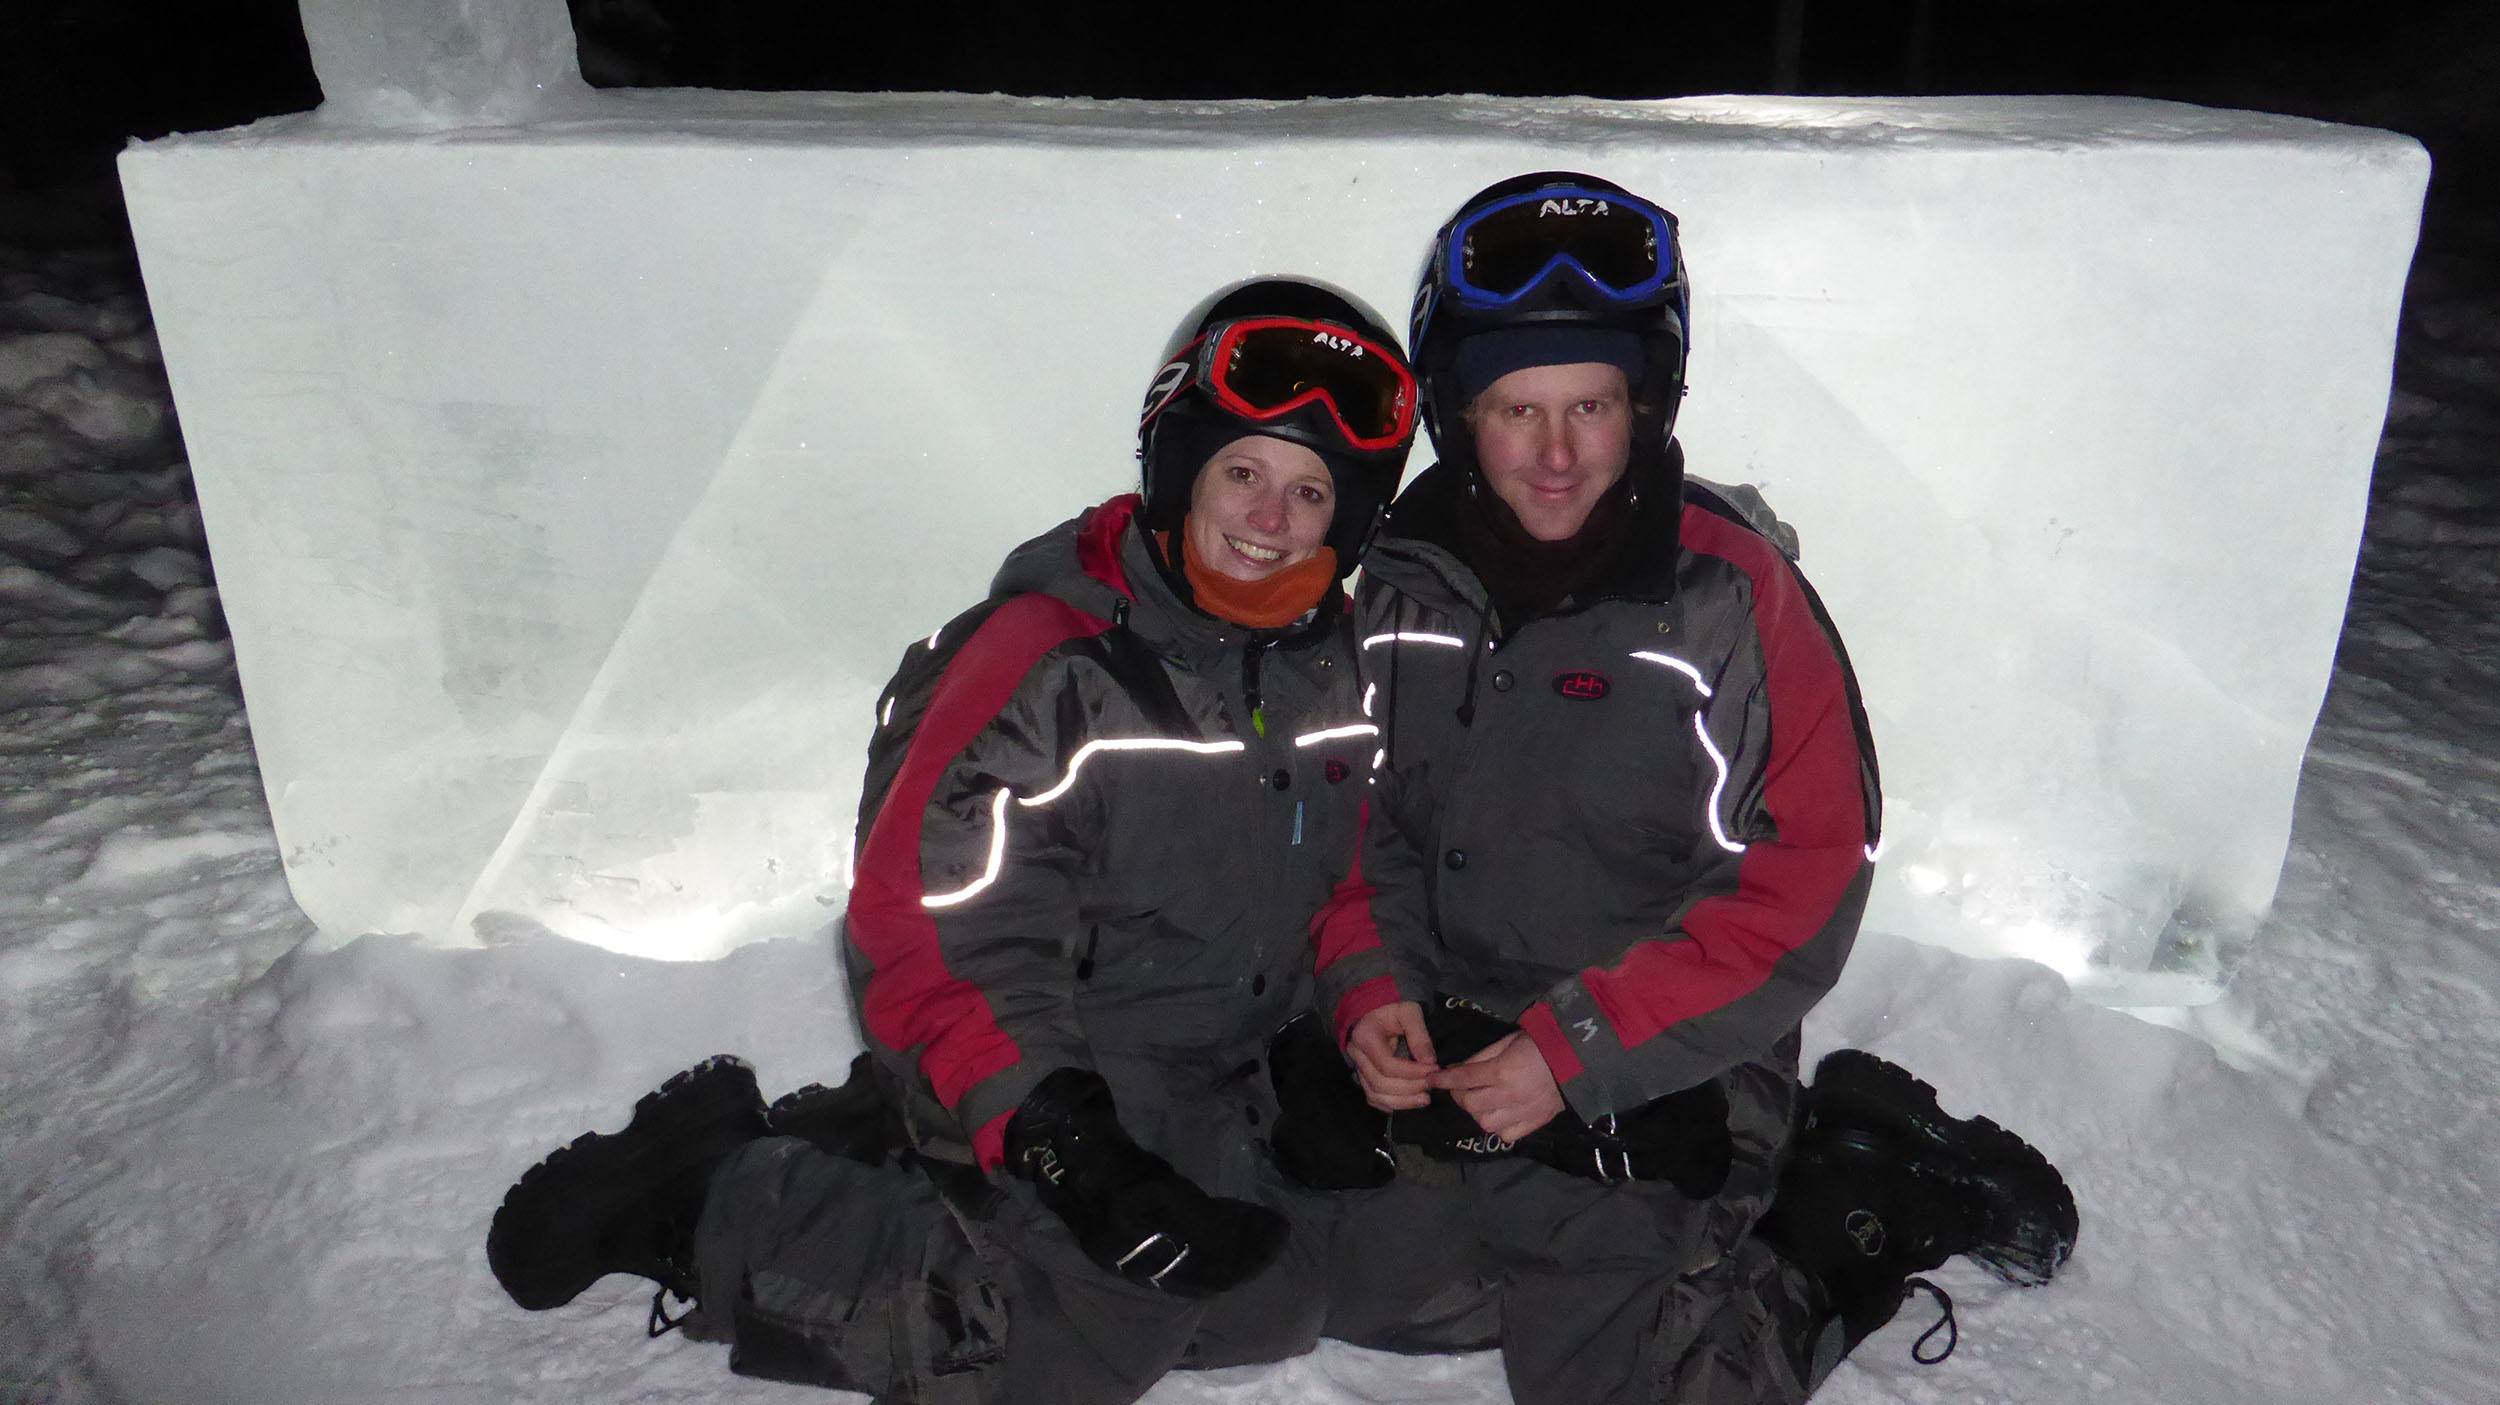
<point>1633,1293</point>
<point>1745,1327</point>
<point>1407,1270</point>
<point>823,1271</point>
<point>1277,1314</point>
<point>1587,1270</point>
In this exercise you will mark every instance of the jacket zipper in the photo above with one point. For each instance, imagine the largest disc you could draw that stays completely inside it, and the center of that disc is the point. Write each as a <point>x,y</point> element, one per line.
<point>1252,651</point>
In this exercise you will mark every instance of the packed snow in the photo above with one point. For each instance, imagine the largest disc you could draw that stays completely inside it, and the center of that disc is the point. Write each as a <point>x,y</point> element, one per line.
<point>241,1163</point>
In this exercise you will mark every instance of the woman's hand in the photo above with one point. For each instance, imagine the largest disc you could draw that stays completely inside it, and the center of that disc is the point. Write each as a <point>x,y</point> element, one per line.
<point>1393,1057</point>
<point>1507,1088</point>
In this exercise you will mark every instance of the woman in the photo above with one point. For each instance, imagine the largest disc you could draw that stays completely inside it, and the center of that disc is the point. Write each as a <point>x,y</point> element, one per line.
<point>1101,809</point>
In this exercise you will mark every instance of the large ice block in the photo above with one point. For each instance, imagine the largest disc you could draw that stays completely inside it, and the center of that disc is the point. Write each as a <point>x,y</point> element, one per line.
<point>574,484</point>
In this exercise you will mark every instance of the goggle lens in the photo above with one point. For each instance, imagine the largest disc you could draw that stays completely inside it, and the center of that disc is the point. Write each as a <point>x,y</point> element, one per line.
<point>1269,367</point>
<point>1612,240</point>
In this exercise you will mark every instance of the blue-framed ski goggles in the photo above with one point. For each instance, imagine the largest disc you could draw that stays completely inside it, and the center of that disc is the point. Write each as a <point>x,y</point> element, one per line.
<point>1620,246</point>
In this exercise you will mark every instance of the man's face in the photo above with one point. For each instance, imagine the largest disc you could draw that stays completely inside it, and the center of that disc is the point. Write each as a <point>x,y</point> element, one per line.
<point>1551,440</point>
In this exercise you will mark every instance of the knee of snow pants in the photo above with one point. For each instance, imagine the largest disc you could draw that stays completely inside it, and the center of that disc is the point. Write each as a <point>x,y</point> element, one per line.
<point>1406,1269</point>
<point>1633,1293</point>
<point>1277,1314</point>
<point>825,1272</point>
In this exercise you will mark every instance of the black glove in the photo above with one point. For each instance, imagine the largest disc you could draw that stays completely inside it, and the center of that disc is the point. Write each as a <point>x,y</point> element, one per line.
<point>1327,1136</point>
<point>1681,1138</point>
<point>1130,1211</point>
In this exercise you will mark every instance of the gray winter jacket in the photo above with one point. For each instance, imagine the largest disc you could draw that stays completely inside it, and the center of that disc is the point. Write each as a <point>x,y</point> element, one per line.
<point>1095,828</point>
<point>1643,823</point>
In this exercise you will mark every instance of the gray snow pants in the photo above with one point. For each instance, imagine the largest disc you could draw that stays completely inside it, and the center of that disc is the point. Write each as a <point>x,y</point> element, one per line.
<point>1598,1294</point>
<point>823,1271</point>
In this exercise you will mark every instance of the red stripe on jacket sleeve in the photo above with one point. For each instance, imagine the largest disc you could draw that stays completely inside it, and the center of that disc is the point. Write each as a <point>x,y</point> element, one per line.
<point>1344,926</point>
<point>1787,888</point>
<point>912,999</point>
<point>1561,1060</point>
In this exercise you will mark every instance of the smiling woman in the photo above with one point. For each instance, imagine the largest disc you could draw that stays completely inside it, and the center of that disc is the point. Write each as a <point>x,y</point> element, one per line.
<point>1103,807</point>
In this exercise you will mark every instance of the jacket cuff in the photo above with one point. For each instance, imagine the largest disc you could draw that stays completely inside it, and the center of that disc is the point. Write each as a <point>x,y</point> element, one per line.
<point>1361,1001</point>
<point>1590,1065</point>
<point>1561,1060</point>
<point>989,1144</point>
<point>988,1104</point>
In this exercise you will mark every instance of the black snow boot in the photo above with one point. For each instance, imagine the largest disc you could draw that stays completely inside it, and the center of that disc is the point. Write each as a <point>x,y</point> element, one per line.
<point>1882,1184</point>
<point>626,1202</point>
<point>853,1121</point>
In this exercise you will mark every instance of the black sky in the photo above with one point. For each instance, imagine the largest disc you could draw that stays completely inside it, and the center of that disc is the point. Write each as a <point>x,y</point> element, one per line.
<point>78,78</point>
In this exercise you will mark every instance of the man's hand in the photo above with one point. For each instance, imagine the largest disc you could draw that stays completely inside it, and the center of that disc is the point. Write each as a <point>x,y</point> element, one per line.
<point>1507,1088</point>
<point>1393,1057</point>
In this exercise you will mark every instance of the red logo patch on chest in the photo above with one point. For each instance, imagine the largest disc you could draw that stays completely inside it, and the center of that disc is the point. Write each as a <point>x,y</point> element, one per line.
<point>1580,685</point>
<point>1336,770</point>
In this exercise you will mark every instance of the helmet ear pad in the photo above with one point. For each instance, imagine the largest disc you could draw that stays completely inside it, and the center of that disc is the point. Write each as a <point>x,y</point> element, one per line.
<point>1189,432</point>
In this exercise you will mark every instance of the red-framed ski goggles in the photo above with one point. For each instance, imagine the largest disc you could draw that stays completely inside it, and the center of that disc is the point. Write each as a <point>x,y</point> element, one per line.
<point>1265,368</point>
<point>1620,246</point>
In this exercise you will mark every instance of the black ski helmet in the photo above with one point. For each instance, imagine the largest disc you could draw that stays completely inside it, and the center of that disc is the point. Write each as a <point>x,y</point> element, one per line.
<point>1182,424</point>
<point>1660,318</point>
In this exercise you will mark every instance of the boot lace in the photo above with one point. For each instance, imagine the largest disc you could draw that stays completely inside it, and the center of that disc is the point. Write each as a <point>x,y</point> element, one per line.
<point>661,1324</point>
<point>1944,1324</point>
<point>675,1282</point>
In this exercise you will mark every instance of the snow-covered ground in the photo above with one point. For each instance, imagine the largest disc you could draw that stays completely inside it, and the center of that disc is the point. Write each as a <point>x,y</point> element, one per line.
<point>237,1166</point>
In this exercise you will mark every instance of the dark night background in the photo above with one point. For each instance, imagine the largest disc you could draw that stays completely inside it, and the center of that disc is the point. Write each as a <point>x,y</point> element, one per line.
<point>78,78</point>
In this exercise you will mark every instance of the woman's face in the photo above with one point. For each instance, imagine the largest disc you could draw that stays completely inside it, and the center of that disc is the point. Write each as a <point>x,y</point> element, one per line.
<point>1259,506</point>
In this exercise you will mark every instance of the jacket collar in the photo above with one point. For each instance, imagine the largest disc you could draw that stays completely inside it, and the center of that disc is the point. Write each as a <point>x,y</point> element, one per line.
<point>1103,562</point>
<point>1424,526</point>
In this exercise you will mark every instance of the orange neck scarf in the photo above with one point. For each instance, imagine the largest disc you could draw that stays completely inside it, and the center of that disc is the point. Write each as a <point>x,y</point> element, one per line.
<point>1272,603</point>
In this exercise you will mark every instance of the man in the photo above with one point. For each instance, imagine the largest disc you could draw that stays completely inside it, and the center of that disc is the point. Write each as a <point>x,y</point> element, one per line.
<point>1622,836</point>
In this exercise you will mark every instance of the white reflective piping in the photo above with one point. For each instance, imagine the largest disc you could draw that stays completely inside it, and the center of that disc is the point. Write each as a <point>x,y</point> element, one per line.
<point>1087,752</point>
<point>998,802</point>
<point>1677,664</point>
<point>1447,641</point>
<point>1701,729</point>
<point>1370,691</point>
<point>998,857</point>
<point>1380,758</point>
<point>933,635</point>
<point>885,715</point>
<point>1357,729</point>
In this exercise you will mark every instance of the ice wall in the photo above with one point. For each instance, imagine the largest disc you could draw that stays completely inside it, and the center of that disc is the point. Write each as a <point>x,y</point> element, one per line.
<point>575,480</point>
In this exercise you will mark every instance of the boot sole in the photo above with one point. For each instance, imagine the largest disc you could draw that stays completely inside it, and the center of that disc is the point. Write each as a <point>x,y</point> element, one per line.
<point>697,1115</point>
<point>2031,1213</point>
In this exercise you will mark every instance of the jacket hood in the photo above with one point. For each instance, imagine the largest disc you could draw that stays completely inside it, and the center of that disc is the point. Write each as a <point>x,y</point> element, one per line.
<point>1079,561</point>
